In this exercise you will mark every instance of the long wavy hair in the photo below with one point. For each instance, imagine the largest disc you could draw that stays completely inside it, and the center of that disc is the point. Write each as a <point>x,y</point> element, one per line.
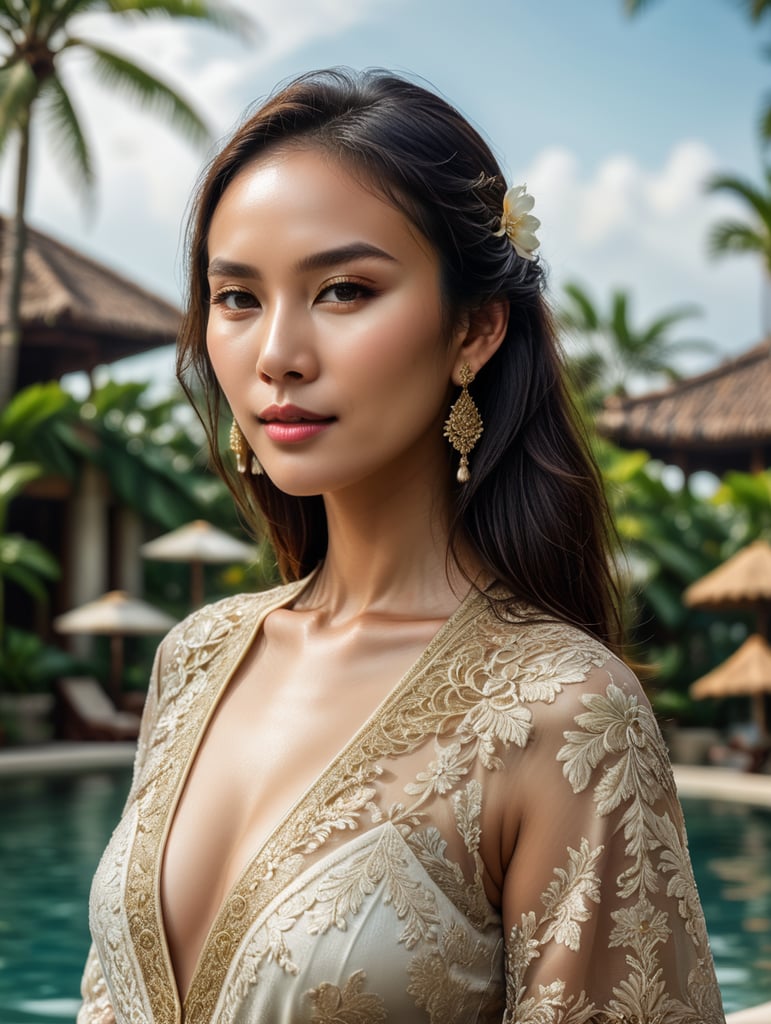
<point>534,510</point>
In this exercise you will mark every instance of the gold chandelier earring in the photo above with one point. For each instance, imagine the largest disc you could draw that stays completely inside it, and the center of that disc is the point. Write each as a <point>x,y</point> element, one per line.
<point>245,457</point>
<point>464,424</point>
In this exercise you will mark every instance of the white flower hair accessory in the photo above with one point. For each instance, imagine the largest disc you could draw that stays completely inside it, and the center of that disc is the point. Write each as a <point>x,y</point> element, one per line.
<point>518,223</point>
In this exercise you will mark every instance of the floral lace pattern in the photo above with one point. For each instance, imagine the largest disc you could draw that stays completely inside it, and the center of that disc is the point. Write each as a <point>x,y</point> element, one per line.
<point>381,866</point>
<point>350,1005</point>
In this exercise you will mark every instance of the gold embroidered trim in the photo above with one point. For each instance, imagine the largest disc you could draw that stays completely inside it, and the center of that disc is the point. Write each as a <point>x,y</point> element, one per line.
<point>333,801</point>
<point>197,664</point>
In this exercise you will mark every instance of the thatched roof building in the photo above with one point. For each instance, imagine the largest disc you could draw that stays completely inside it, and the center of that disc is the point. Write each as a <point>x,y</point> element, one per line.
<point>719,420</point>
<point>77,314</point>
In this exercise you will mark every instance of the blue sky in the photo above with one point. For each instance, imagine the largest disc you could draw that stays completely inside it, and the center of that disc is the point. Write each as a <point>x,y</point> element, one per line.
<point>614,124</point>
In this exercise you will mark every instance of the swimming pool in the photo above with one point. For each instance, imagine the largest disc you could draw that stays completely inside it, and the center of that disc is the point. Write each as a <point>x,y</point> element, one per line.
<point>730,846</point>
<point>54,829</point>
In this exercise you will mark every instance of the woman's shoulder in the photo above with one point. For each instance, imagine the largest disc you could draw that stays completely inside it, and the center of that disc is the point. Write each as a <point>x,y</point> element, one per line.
<point>542,673</point>
<point>541,655</point>
<point>216,623</point>
<point>555,691</point>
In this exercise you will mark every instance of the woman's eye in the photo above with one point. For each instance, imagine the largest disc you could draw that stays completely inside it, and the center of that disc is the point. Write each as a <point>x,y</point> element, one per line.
<point>234,299</point>
<point>344,292</point>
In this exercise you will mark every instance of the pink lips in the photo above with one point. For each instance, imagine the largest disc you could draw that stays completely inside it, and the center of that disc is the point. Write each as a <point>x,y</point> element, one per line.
<point>290,424</point>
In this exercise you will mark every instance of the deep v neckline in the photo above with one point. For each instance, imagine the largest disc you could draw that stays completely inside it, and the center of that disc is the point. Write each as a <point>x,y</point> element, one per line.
<point>186,1009</point>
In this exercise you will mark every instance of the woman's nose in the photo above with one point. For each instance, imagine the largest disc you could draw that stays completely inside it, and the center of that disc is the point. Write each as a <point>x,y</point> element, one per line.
<point>286,349</point>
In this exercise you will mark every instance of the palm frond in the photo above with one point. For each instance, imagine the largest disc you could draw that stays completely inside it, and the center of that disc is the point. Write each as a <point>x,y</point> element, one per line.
<point>757,8</point>
<point>584,317</point>
<point>67,134</point>
<point>18,88</point>
<point>10,16</point>
<point>703,346</point>
<point>673,316</point>
<point>635,6</point>
<point>765,121</point>
<point>729,237</point>
<point>141,86</point>
<point>60,13</point>
<point>619,321</point>
<point>221,15</point>
<point>757,200</point>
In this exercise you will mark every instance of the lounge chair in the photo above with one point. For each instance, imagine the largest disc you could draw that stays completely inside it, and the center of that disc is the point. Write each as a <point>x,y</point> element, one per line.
<point>87,713</point>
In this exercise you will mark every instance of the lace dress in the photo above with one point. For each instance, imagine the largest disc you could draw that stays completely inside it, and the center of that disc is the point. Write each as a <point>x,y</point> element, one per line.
<point>367,902</point>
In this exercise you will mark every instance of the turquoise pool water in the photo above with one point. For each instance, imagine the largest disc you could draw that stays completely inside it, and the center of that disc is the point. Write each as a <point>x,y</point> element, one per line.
<point>53,830</point>
<point>52,833</point>
<point>731,852</point>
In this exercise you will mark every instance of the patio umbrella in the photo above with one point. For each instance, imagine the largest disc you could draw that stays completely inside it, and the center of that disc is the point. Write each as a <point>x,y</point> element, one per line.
<point>740,582</point>
<point>746,673</point>
<point>198,543</point>
<point>115,614</point>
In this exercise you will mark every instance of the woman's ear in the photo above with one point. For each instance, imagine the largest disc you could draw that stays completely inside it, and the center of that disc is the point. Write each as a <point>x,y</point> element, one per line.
<point>483,331</point>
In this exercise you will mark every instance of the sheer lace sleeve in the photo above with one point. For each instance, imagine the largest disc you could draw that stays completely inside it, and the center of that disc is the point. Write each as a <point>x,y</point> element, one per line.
<point>601,915</point>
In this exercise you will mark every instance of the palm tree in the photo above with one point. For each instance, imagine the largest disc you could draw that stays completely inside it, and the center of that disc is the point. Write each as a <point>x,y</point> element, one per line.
<point>613,351</point>
<point>753,235</point>
<point>36,36</point>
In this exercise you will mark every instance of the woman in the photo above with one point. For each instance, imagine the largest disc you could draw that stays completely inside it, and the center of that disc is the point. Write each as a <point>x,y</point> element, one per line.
<point>308,839</point>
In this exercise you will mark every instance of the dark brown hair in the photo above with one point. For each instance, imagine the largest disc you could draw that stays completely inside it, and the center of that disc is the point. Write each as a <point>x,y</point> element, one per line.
<point>534,510</point>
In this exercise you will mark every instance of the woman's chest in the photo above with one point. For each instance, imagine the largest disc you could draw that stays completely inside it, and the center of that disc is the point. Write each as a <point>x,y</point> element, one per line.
<point>287,713</point>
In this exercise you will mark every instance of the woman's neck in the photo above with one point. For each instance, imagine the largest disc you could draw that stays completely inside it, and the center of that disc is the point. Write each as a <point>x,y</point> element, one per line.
<point>387,552</point>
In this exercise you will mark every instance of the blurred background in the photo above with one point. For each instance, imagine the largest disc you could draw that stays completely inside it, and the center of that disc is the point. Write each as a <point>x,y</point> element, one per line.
<point>643,131</point>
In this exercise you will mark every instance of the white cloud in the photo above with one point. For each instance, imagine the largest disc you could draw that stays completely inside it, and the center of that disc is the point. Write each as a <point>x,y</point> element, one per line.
<point>620,224</point>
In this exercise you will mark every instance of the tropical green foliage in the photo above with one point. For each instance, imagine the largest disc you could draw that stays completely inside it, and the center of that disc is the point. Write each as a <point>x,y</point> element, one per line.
<point>22,561</point>
<point>151,455</point>
<point>755,8</point>
<point>743,502</point>
<point>148,452</point>
<point>749,236</point>
<point>607,351</point>
<point>670,538</point>
<point>36,38</point>
<point>27,665</point>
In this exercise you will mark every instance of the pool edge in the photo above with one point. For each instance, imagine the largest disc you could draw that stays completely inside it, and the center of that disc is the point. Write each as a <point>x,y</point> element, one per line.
<point>723,784</point>
<point>66,757</point>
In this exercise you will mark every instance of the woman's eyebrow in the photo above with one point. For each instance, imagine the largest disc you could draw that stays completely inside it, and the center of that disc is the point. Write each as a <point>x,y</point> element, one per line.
<point>220,267</point>
<point>343,254</point>
<point>228,268</point>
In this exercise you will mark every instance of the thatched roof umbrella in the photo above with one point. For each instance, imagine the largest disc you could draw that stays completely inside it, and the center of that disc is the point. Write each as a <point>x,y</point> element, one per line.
<point>198,543</point>
<point>718,420</point>
<point>746,673</point>
<point>115,614</point>
<point>743,581</point>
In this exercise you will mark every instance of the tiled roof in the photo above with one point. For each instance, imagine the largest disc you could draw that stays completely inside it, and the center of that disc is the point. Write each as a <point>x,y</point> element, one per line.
<point>732,401</point>
<point>725,409</point>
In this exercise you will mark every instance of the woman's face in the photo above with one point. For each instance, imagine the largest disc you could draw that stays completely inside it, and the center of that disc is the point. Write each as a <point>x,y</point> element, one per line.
<point>325,328</point>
